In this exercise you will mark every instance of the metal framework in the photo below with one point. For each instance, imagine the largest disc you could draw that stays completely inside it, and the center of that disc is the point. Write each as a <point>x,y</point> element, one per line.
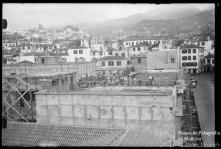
<point>12,87</point>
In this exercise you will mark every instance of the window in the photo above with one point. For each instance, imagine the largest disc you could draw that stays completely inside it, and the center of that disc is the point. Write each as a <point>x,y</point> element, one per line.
<point>110,63</point>
<point>194,64</point>
<point>189,50</point>
<point>118,63</point>
<point>80,51</point>
<point>138,48</point>
<point>133,48</point>
<point>64,59</point>
<point>194,50</point>
<point>189,57</point>
<point>212,61</point>
<point>123,54</point>
<point>128,62</point>
<point>139,59</point>
<point>172,60</point>
<point>203,43</point>
<point>116,54</point>
<point>194,57</point>
<point>184,51</point>
<point>208,61</point>
<point>100,53</point>
<point>103,64</point>
<point>42,61</point>
<point>126,43</point>
<point>183,64</point>
<point>132,43</point>
<point>120,48</point>
<point>110,52</point>
<point>75,52</point>
<point>184,58</point>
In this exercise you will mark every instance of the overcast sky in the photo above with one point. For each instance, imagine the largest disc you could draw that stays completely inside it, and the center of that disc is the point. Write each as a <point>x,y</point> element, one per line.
<point>25,16</point>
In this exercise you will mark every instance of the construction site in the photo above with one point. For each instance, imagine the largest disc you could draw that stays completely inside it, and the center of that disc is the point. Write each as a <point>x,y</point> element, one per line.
<point>73,105</point>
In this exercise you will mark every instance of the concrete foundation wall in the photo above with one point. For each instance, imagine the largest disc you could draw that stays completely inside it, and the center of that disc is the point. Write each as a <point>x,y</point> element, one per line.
<point>102,110</point>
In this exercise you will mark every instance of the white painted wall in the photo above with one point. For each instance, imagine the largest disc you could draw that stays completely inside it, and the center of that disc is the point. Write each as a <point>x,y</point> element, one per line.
<point>86,54</point>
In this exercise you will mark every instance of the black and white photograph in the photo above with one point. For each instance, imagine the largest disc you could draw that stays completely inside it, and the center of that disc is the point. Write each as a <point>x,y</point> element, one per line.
<point>108,74</point>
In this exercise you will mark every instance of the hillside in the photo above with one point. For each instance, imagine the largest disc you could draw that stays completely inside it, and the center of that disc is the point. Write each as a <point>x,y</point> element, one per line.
<point>149,23</point>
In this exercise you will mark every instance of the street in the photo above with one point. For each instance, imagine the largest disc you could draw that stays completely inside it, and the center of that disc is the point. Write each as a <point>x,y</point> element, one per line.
<point>204,99</point>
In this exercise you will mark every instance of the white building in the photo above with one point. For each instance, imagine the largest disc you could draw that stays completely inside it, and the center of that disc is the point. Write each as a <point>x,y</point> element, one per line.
<point>166,44</point>
<point>191,58</point>
<point>138,49</point>
<point>116,52</point>
<point>135,41</point>
<point>79,53</point>
<point>27,57</point>
<point>85,43</point>
<point>111,63</point>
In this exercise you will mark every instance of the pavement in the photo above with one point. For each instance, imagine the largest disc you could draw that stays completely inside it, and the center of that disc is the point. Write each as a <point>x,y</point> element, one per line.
<point>204,99</point>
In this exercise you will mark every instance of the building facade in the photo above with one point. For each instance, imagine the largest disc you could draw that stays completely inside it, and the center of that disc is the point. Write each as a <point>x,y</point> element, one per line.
<point>79,54</point>
<point>191,58</point>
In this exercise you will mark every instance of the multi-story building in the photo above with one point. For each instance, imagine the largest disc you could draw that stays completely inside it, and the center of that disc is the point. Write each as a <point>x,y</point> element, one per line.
<point>112,63</point>
<point>79,54</point>
<point>97,44</point>
<point>191,58</point>
<point>209,62</point>
<point>207,45</point>
<point>9,43</point>
<point>166,44</point>
<point>160,60</point>
<point>138,49</point>
<point>135,41</point>
<point>117,52</point>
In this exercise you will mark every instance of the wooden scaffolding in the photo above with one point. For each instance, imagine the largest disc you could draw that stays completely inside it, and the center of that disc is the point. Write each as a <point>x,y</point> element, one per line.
<point>18,98</point>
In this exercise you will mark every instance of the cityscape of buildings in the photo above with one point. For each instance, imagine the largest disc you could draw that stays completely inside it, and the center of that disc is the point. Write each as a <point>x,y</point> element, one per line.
<point>68,87</point>
<point>78,46</point>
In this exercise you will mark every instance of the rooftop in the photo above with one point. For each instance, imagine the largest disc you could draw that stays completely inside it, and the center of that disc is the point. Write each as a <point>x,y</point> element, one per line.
<point>28,134</point>
<point>41,74</point>
<point>77,47</point>
<point>113,58</point>
<point>158,133</point>
<point>141,38</point>
<point>189,46</point>
<point>123,91</point>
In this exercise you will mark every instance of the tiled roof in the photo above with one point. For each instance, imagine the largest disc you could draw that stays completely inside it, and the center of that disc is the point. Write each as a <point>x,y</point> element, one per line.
<point>27,134</point>
<point>141,38</point>
<point>77,47</point>
<point>156,134</point>
<point>189,46</point>
<point>112,58</point>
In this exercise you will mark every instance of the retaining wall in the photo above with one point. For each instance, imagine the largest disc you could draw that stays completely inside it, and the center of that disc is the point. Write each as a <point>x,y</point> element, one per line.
<point>102,110</point>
